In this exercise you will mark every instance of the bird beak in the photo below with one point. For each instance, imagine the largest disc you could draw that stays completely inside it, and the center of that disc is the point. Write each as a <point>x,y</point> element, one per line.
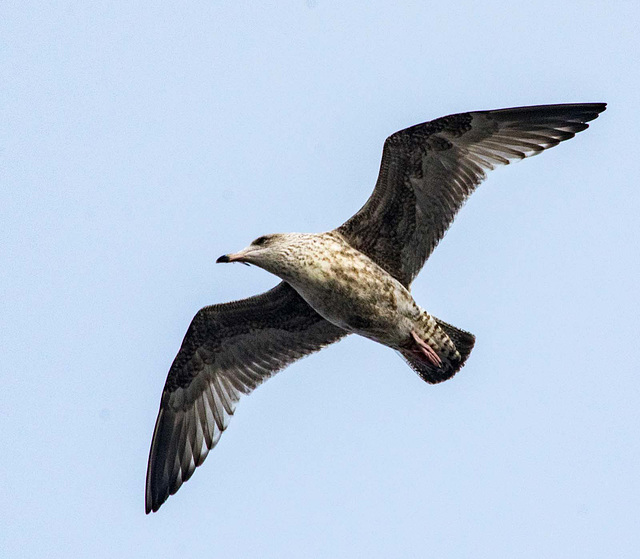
<point>234,257</point>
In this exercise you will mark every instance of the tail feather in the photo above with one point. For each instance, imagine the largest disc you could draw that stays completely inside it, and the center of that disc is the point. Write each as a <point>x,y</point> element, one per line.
<point>463,340</point>
<point>452,345</point>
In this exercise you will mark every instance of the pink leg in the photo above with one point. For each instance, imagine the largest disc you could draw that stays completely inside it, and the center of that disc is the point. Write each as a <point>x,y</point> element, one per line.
<point>427,350</point>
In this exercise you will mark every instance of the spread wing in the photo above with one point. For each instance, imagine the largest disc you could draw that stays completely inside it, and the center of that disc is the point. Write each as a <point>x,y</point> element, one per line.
<point>429,170</point>
<point>228,350</point>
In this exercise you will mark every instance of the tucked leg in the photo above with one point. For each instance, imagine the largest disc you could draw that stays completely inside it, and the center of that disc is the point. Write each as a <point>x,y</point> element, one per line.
<point>427,350</point>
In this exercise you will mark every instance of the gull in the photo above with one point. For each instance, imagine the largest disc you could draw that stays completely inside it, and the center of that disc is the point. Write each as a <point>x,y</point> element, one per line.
<point>355,279</point>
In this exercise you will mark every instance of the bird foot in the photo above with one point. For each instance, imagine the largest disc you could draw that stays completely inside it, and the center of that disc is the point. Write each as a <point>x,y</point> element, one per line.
<point>427,350</point>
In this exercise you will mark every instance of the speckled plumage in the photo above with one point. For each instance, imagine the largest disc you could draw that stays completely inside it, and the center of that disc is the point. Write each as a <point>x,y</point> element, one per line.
<point>349,290</point>
<point>355,279</point>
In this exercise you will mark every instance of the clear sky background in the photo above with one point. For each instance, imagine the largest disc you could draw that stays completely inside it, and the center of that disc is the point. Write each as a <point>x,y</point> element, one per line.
<point>141,140</point>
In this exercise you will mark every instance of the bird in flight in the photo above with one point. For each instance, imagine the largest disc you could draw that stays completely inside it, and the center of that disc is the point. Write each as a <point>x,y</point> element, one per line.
<point>355,279</point>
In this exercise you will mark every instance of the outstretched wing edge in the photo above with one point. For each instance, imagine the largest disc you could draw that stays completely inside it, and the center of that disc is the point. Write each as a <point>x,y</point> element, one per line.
<point>229,349</point>
<point>429,170</point>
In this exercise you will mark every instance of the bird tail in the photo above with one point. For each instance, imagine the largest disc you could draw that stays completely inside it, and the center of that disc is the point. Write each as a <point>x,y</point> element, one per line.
<point>450,349</point>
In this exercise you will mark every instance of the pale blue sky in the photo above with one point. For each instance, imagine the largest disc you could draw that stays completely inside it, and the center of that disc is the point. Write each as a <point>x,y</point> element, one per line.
<point>141,140</point>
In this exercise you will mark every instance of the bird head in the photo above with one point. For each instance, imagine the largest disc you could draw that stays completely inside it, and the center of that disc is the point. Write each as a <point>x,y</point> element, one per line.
<point>270,252</point>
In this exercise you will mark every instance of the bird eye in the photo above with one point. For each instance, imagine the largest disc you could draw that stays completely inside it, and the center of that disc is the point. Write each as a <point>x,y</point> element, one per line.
<point>261,240</point>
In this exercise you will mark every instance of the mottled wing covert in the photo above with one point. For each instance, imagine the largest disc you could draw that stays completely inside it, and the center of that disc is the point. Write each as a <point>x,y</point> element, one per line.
<point>429,170</point>
<point>228,351</point>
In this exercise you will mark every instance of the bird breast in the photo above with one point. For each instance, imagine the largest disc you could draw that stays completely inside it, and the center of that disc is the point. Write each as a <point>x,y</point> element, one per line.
<point>351,291</point>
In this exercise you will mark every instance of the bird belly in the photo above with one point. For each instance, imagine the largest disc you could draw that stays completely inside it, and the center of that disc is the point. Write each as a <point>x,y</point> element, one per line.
<point>363,301</point>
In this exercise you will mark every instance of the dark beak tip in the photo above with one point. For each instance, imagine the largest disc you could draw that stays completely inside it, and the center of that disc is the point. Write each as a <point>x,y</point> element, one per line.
<point>224,258</point>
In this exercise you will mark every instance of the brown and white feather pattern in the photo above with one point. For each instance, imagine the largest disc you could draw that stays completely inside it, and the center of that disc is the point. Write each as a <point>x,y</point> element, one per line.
<point>427,173</point>
<point>228,351</point>
<point>429,170</point>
